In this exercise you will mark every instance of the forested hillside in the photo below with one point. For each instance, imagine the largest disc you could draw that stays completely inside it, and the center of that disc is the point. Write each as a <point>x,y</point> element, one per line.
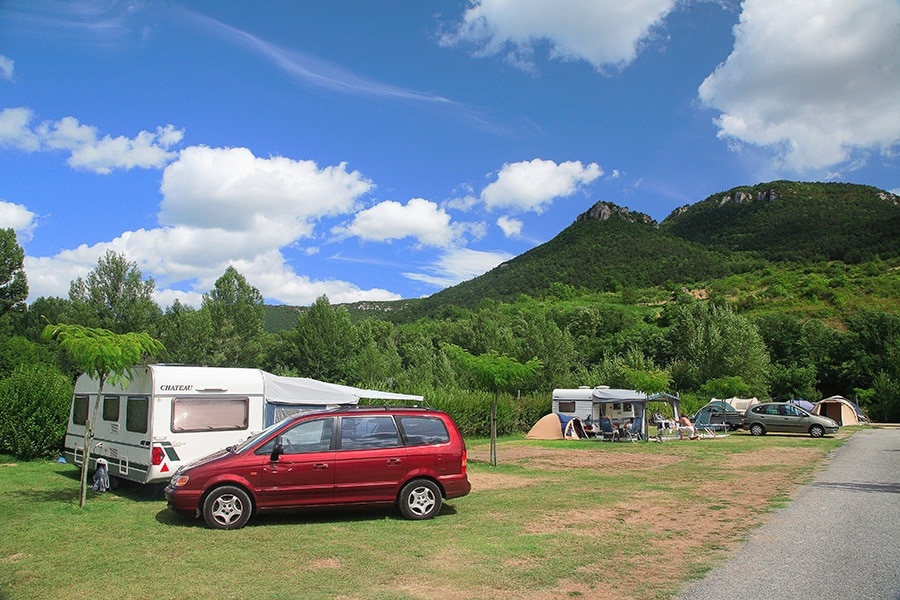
<point>792,221</point>
<point>725,298</point>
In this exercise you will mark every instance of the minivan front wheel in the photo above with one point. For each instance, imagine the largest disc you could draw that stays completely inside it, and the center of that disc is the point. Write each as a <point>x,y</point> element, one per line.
<point>420,499</point>
<point>757,429</point>
<point>227,507</point>
<point>816,431</point>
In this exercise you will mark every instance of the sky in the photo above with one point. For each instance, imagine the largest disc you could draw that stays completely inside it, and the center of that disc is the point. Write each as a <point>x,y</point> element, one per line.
<point>388,150</point>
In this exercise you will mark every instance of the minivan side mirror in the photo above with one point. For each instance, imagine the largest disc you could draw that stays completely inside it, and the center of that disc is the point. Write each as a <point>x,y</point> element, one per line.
<point>277,451</point>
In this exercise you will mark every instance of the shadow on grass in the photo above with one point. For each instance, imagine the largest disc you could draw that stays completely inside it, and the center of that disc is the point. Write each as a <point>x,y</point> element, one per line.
<point>136,492</point>
<point>307,516</point>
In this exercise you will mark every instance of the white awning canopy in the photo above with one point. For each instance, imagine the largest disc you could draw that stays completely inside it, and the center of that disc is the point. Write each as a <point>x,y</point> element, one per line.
<point>302,390</point>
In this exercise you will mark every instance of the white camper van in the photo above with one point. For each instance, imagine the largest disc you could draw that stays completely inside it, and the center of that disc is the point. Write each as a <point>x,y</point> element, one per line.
<point>169,415</point>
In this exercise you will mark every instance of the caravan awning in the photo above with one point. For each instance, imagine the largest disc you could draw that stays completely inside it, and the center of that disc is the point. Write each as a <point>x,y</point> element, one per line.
<point>606,395</point>
<point>302,390</point>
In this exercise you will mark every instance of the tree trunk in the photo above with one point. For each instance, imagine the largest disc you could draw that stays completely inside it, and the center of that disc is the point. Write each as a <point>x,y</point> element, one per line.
<point>89,425</point>
<point>494,431</point>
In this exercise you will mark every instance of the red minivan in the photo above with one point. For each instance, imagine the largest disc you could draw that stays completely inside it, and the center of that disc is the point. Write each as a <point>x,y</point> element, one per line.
<point>410,457</point>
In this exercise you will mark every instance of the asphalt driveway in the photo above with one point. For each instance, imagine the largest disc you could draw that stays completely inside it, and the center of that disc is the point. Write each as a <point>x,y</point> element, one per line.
<point>838,539</point>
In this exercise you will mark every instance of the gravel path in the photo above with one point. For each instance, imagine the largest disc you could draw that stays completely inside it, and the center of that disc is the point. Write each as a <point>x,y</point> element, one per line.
<point>838,539</point>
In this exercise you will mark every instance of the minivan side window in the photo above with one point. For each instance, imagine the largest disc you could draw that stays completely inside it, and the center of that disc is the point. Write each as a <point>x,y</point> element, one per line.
<point>306,436</point>
<point>368,432</point>
<point>421,431</point>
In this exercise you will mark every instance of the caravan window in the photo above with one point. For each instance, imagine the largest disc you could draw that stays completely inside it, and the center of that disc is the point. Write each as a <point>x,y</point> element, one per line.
<point>137,410</point>
<point>79,409</point>
<point>210,413</point>
<point>566,407</point>
<point>110,408</point>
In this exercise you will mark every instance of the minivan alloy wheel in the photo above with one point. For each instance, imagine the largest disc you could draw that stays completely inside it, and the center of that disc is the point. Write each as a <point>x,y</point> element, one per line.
<point>420,499</point>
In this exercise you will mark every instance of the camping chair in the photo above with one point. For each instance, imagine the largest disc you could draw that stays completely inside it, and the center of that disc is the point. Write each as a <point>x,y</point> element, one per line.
<point>704,427</point>
<point>607,431</point>
<point>635,433</point>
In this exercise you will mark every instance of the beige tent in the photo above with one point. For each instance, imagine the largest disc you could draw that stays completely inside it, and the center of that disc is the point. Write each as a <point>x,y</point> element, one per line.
<point>548,427</point>
<point>837,408</point>
<point>739,404</point>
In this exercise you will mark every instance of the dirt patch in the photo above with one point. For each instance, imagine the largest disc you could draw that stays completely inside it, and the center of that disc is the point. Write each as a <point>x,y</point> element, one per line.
<point>538,457</point>
<point>661,535</point>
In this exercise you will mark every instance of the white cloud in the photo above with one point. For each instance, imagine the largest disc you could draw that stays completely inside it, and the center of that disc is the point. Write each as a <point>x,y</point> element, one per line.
<point>532,186</point>
<point>158,254</point>
<point>605,33</point>
<point>14,131</point>
<point>87,150</point>
<point>221,207</point>
<point>233,190</point>
<point>512,228</point>
<point>7,66</point>
<point>18,218</point>
<point>814,81</point>
<point>457,265</point>
<point>390,220</point>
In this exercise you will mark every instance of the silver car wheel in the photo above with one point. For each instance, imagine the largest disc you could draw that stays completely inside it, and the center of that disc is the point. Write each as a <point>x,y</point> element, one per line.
<point>420,499</point>
<point>227,507</point>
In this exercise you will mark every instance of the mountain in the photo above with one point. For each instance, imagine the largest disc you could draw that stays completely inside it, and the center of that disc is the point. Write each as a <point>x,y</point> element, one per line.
<point>794,221</point>
<point>610,248</point>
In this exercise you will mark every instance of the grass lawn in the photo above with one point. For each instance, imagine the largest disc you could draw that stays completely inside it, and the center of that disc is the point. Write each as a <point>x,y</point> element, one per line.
<point>579,519</point>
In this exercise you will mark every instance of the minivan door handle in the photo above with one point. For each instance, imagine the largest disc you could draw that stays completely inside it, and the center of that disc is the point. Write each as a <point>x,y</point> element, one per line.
<point>393,462</point>
<point>320,467</point>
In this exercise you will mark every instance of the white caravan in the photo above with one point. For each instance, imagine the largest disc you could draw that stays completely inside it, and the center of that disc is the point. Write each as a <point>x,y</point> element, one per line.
<point>169,415</point>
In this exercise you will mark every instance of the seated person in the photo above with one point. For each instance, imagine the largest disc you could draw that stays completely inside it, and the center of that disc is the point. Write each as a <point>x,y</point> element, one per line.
<point>684,424</point>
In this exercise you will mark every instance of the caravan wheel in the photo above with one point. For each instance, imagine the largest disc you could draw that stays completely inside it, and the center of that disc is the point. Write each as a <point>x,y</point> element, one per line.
<point>227,507</point>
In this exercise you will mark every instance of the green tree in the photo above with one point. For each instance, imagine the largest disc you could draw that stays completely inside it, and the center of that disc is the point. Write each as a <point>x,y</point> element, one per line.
<point>237,316</point>
<point>322,344</point>
<point>495,373</point>
<point>710,341</point>
<point>104,356</point>
<point>187,334</point>
<point>114,296</point>
<point>13,283</point>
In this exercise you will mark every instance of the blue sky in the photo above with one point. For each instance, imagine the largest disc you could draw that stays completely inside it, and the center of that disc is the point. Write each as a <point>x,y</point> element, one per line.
<point>386,150</point>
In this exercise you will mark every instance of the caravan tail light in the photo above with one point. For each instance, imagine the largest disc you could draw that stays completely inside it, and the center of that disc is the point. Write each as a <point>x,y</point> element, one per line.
<point>156,456</point>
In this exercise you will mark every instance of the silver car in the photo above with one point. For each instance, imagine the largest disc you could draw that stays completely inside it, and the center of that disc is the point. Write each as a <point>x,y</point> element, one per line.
<point>786,418</point>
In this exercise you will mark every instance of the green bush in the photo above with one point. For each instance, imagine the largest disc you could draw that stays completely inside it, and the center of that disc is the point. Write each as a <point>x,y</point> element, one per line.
<point>34,409</point>
<point>471,410</point>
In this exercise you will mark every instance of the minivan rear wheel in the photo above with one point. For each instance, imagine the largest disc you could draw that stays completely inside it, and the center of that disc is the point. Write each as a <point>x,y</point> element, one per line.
<point>227,507</point>
<point>420,499</point>
<point>816,431</point>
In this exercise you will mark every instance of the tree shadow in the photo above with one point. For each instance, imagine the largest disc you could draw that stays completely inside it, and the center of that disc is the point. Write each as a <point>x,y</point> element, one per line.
<point>890,488</point>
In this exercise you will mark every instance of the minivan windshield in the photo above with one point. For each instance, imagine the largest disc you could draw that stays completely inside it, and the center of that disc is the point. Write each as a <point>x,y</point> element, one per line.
<point>238,448</point>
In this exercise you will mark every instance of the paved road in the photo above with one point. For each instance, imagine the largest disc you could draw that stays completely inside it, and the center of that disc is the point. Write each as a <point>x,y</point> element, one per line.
<point>838,539</point>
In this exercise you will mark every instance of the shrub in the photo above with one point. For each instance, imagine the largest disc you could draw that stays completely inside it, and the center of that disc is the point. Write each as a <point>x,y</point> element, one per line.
<point>34,409</point>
